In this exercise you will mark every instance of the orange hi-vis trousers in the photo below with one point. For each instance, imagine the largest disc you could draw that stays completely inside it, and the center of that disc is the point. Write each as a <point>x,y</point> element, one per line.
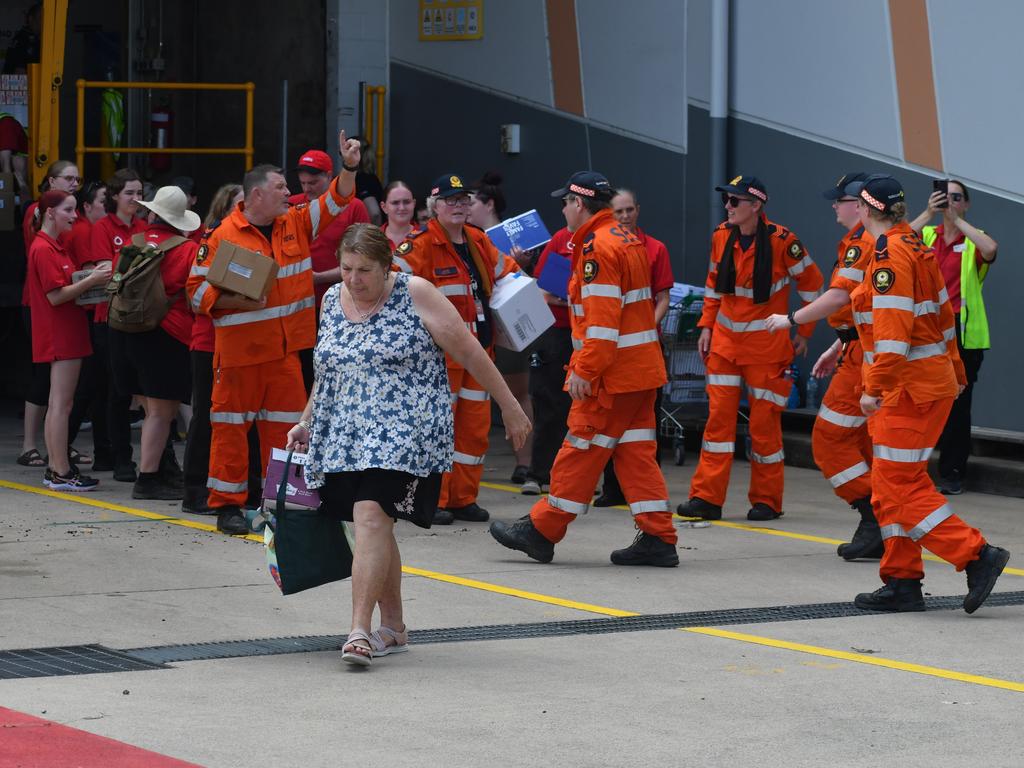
<point>601,427</point>
<point>840,440</point>
<point>910,511</point>
<point>272,395</point>
<point>471,407</point>
<point>768,391</point>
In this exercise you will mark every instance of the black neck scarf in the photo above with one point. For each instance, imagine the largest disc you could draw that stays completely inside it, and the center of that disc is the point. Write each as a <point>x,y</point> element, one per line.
<point>726,280</point>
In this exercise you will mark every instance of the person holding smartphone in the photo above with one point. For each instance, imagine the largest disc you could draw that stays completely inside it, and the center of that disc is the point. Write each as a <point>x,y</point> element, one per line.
<point>964,253</point>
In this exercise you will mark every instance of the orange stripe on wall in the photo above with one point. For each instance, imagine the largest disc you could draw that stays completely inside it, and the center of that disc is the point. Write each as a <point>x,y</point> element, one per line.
<point>915,82</point>
<point>564,45</point>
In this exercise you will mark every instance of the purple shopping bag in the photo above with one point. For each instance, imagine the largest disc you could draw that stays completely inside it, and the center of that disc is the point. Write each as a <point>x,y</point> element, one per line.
<point>296,491</point>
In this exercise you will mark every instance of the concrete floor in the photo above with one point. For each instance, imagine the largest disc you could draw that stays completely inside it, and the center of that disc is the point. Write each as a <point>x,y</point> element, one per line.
<point>936,688</point>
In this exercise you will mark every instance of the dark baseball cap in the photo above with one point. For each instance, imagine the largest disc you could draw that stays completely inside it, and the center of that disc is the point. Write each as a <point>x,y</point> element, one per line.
<point>586,184</point>
<point>839,188</point>
<point>878,190</point>
<point>448,185</point>
<point>746,185</point>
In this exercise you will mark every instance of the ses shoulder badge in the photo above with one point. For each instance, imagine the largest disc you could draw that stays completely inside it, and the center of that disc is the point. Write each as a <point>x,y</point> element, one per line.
<point>589,270</point>
<point>796,250</point>
<point>201,253</point>
<point>403,248</point>
<point>588,244</point>
<point>883,279</point>
<point>851,256</point>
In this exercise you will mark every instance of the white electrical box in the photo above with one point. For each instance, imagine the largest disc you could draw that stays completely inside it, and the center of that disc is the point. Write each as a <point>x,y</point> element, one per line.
<point>510,139</point>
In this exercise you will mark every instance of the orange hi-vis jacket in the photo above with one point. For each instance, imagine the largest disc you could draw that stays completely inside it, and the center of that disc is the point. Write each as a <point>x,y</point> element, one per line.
<point>288,322</point>
<point>855,252</point>
<point>905,322</point>
<point>431,255</point>
<point>738,324</point>
<point>614,337</point>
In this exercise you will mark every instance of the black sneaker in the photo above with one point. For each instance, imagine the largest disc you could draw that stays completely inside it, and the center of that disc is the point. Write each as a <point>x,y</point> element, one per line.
<point>762,512</point>
<point>74,481</point>
<point>170,470</point>
<point>124,471</point>
<point>472,513</point>
<point>443,517</point>
<point>231,521</point>
<point>867,539</point>
<point>951,485</point>
<point>522,536</point>
<point>898,595</point>
<point>647,550</point>
<point>609,500</point>
<point>102,462</point>
<point>532,487</point>
<point>151,485</point>
<point>699,508</point>
<point>519,474</point>
<point>982,574</point>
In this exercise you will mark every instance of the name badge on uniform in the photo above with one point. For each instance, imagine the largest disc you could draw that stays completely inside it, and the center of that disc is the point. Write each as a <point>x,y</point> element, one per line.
<point>960,248</point>
<point>479,309</point>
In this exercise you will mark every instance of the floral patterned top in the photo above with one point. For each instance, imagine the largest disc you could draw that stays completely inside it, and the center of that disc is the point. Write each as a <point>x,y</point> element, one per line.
<point>381,392</point>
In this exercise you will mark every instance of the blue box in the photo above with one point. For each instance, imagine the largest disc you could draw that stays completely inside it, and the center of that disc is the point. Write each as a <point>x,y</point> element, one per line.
<point>526,230</point>
<point>555,277</point>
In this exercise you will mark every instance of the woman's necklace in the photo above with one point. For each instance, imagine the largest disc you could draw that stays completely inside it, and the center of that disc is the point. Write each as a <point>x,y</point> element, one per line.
<point>364,316</point>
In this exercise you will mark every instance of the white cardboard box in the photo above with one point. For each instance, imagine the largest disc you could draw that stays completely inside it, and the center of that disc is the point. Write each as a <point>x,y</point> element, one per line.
<point>520,312</point>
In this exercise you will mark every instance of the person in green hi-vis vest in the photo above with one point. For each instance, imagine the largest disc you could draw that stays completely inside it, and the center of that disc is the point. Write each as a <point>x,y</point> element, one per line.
<point>965,254</point>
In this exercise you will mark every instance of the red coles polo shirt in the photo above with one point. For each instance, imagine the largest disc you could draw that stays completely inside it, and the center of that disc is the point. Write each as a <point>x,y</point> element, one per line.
<point>109,236</point>
<point>324,249</point>
<point>661,266</point>
<point>58,332</point>
<point>174,269</point>
<point>559,243</point>
<point>29,233</point>
<point>949,257</point>
<point>79,242</point>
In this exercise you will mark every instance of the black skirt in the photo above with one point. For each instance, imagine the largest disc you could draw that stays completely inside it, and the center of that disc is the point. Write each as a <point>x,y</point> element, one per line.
<point>401,495</point>
<point>151,364</point>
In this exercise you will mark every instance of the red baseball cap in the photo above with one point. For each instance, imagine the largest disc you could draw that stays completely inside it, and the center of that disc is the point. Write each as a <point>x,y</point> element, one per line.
<point>316,160</point>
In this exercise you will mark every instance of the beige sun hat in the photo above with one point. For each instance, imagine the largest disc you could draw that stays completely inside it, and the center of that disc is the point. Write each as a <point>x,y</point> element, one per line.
<point>171,205</point>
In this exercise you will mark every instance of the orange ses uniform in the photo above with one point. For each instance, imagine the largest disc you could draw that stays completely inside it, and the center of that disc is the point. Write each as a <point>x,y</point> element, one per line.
<point>743,350</point>
<point>257,374</point>
<point>906,325</point>
<point>431,255</point>
<point>616,349</point>
<point>840,440</point>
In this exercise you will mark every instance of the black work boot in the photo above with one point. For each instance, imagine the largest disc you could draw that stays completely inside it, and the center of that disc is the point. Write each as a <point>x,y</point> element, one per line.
<point>231,521</point>
<point>982,574</point>
<point>151,485</point>
<point>647,550</point>
<point>699,508</point>
<point>898,595</point>
<point>867,539</point>
<point>471,513</point>
<point>521,535</point>
<point>762,511</point>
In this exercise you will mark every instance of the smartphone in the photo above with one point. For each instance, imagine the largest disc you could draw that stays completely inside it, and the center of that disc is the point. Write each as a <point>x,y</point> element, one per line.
<point>941,185</point>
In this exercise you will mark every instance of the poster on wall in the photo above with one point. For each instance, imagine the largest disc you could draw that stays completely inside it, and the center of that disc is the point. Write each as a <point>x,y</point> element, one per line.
<point>451,20</point>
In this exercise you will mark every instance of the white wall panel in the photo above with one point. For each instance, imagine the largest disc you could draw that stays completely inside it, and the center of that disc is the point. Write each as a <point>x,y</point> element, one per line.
<point>698,51</point>
<point>978,84</point>
<point>512,57</point>
<point>634,66</point>
<point>821,67</point>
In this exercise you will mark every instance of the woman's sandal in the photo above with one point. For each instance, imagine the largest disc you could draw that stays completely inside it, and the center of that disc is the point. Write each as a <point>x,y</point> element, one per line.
<point>31,458</point>
<point>386,641</point>
<point>77,457</point>
<point>358,654</point>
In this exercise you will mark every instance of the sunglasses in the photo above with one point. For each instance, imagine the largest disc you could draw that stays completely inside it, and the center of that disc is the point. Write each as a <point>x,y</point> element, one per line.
<point>734,202</point>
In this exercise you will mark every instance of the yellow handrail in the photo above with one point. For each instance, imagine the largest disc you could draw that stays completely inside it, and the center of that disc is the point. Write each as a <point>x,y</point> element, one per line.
<point>374,127</point>
<point>81,150</point>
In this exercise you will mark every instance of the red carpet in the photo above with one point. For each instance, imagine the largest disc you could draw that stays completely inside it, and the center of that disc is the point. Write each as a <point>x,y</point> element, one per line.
<point>30,742</point>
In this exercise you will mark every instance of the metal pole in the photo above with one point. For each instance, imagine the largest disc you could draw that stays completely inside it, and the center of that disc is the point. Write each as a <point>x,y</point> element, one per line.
<point>284,123</point>
<point>719,115</point>
<point>250,89</point>
<point>379,138</point>
<point>80,129</point>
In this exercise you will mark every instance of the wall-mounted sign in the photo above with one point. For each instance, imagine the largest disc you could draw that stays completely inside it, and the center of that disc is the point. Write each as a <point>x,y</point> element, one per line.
<point>451,19</point>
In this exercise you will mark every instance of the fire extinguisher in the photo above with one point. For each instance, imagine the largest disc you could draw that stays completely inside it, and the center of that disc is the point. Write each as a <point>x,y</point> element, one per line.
<point>161,128</point>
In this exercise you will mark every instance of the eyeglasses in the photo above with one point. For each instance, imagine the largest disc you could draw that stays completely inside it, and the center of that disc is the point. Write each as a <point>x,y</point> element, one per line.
<point>734,202</point>
<point>567,199</point>
<point>845,200</point>
<point>456,202</point>
<point>75,179</point>
<point>956,197</point>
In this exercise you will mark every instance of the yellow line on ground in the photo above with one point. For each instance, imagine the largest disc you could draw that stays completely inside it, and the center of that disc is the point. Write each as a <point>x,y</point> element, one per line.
<point>860,658</point>
<point>503,487</point>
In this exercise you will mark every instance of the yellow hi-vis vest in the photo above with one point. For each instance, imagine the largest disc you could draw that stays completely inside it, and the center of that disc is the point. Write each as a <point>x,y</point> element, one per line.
<point>973,320</point>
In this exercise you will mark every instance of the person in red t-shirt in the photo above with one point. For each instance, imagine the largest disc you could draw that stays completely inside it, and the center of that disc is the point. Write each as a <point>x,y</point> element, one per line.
<point>14,149</point>
<point>626,209</point>
<point>154,365</point>
<point>399,206</point>
<point>60,331</point>
<point>109,235</point>
<point>548,362</point>
<point>61,176</point>
<point>92,199</point>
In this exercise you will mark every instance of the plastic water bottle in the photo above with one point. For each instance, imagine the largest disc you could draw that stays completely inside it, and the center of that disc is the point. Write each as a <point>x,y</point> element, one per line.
<point>793,373</point>
<point>812,392</point>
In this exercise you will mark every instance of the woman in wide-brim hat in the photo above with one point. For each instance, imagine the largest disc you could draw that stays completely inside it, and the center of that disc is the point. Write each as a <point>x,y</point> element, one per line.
<point>154,365</point>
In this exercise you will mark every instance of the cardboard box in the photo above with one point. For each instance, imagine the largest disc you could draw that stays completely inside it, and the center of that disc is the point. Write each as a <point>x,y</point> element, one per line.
<point>520,312</point>
<point>242,271</point>
<point>8,221</point>
<point>95,295</point>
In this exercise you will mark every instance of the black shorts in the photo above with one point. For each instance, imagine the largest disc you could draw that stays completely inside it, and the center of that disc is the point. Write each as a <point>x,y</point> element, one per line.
<point>151,364</point>
<point>401,495</point>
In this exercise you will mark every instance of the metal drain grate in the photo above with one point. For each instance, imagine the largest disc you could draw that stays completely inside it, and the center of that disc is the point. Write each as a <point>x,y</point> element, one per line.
<point>69,660</point>
<point>271,646</point>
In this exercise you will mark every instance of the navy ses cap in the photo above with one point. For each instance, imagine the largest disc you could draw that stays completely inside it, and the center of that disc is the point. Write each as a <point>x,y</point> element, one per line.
<point>448,185</point>
<point>751,186</point>
<point>878,190</point>
<point>590,184</point>
<point>839,188</point>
